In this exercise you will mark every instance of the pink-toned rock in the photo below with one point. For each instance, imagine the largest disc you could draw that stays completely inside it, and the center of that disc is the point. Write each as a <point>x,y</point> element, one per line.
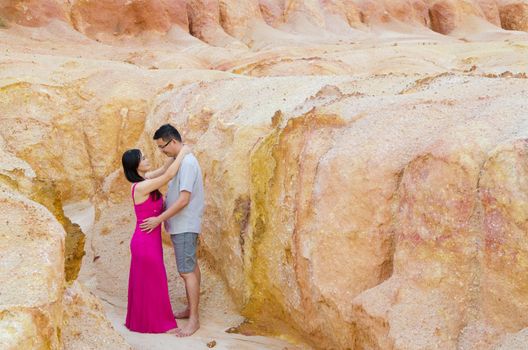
<point>449,278</point>
<point>345,9</point>
<point>490,9</point>
<point>204,23</point>
<point>204,18</point>
<point>514,14</point>
<point>123,17</point>
<point>323,13</point>
<point>516,341</point>
<point>308,10</point>
<point>238,18</point>
<point>413,12</point>
<point>372,12</point>
<point>320,13</point>
<point>477,334</point>
<point>448,15</point>
<point>432,262</point>
<point>504,196</point>
<point>272,11</point>
<point>34,13</point>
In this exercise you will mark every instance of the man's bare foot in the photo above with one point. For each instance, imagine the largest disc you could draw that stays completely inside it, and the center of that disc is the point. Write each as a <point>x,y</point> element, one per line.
<point>182,314</point>
<point>189,328</point>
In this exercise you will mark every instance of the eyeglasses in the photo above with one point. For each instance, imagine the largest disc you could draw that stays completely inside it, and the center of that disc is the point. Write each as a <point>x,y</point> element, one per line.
<point>165,145</point>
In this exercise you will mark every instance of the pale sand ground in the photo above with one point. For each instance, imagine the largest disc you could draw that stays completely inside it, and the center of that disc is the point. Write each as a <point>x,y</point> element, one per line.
<point>211,329</point>
<point>213,323</point>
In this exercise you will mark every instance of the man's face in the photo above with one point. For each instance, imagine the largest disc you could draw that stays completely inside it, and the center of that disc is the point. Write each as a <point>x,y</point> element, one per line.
<point>169,148</point>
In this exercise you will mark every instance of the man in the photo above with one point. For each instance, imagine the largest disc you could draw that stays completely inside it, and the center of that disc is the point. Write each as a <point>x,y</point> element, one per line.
<point>182,216</point>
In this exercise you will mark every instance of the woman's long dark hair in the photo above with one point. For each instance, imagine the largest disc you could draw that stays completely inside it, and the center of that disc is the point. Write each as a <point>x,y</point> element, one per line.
<point>131,159</point>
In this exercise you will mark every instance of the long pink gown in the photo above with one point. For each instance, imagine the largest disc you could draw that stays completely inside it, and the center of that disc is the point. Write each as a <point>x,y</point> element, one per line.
<point>149,309</point>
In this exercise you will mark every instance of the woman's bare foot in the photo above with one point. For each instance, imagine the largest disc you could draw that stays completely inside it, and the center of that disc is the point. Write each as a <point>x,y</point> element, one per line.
<point>182,314</point>
<point>173,331</point>
<point>192,326</point>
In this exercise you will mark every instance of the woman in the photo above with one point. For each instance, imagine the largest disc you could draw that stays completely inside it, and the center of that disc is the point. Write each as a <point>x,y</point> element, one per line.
<point>149,309</point>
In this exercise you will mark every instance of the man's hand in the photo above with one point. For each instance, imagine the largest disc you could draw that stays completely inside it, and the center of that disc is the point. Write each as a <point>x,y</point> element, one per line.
<point>150,224</point>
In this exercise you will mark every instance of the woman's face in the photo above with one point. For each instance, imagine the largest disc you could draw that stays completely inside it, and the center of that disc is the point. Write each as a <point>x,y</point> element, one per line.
<point>144,164</point>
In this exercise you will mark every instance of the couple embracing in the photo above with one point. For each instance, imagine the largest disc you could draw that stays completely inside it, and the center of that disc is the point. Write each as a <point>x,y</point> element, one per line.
<point>149,308</point>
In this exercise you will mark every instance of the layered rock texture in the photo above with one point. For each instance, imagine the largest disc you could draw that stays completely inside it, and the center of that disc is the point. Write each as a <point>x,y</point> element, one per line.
<point>38,309</point>
<point>365,165</point>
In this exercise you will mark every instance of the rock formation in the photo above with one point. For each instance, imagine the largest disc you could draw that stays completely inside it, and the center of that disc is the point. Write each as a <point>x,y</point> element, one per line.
<point>514,15</point>
<point>364,164</point>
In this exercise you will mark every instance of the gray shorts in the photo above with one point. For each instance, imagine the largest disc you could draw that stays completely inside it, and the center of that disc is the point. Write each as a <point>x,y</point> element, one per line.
<point>185,250</point>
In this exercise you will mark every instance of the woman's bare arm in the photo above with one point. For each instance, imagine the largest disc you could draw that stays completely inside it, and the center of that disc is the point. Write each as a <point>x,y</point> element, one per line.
<point>149,185</point>
<point>158,172</point>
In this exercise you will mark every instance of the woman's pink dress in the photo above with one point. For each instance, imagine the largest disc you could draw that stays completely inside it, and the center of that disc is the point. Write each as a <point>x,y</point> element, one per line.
<point>149,308</point>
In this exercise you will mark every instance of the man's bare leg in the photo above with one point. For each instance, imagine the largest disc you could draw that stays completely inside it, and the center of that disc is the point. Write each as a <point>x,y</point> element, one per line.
<point>185,312</point>
<point>192,287</point>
